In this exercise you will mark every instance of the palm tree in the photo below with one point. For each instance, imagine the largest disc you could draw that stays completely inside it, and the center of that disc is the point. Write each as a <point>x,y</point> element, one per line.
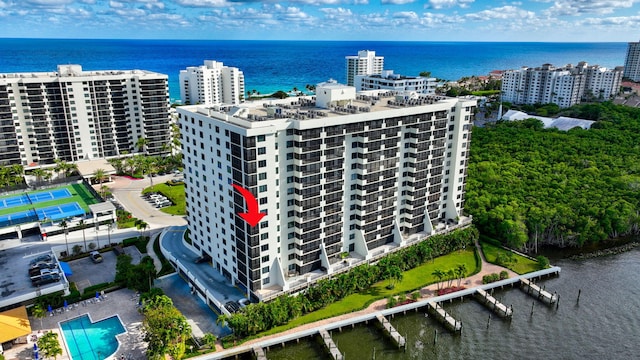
<point>439,274</point>
<point>38,173</point>
<point>100,175</point>
<point>83,226</point>
<point>39,312</point>
<point>450,277</point>
<point>142,143</point>
<point>461,271</point>
<point>64,225</point>
<point>141,225</point>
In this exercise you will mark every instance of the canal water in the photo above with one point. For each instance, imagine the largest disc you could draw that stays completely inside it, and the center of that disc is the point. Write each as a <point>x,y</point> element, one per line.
<point>603,324</point>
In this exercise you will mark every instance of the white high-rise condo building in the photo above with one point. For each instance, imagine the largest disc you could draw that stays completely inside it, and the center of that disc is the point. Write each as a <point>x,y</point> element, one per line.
<point>387,80</point>
<point>365,63</point>
<point>565,86</point>
<point>632,62</point>
<point>338,175</point>
<point>211,84</point>
<point>73,114</point>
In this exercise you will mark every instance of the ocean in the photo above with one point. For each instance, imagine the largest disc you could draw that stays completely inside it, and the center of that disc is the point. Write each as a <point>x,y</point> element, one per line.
<point>269,66</point>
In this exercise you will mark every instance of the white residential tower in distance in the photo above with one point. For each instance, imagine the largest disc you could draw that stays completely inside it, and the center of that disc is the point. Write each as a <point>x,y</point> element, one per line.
<point>342,179</point>
<point>565,86</point>
<point>72,114</point>
<point>387,80</point>
<point>211,84</point>
<point>365,63</point>
<point>632,62</point>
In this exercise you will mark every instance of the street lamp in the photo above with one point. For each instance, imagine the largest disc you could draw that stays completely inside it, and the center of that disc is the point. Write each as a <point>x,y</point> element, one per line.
<point>97,226</point>
<point>109,227</point>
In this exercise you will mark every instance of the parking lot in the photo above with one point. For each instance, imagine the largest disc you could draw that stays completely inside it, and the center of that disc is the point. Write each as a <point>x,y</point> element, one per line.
<point>157,200</point>
<point>87,273</point>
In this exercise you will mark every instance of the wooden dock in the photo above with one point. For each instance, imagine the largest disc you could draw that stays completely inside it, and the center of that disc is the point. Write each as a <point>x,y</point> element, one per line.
<point>492,303</point>
<point>395,336</point>
<point>259,354</point>
<point>536,291</point>
<point>441,315</point>
<point>331,346</point>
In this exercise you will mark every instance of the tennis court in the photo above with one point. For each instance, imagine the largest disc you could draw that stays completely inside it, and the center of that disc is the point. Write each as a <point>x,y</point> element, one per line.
<point>49,195</point>
<point>14,201</point>
<point>58,212</point>
<point>18,218</point>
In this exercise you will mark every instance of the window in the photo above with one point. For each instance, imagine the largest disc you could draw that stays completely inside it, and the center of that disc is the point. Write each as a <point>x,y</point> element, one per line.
<point>262,163</point>
<point>262,176</point>
<point>261,138</point>
<point>262,150</point>
<point>265,270</point>
<point>262,188</point>
<point>265,259</point>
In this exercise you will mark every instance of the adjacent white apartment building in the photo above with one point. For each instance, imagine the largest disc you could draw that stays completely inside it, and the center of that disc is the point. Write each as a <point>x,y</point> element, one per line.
<point>565,86</point>
<point>342,178</point>
<point>365,63</point>
<point>387,80</point>
<point>632,62</point>
<point>72,114</point>
<point>211,84</point>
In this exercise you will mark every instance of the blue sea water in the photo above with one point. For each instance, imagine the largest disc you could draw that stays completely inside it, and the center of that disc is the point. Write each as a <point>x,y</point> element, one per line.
<point>282,65</point>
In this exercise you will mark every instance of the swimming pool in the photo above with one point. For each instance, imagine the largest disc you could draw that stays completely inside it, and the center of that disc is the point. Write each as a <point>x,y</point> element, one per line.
<point>91,341</point>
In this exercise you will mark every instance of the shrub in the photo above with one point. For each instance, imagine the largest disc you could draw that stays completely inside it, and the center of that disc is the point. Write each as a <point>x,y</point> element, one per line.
<point>392,301</point>
<point>92,246</point>
<point>415,295</point>
<point>543,262</point>
<point>490,278</point>
<point>504,275</point>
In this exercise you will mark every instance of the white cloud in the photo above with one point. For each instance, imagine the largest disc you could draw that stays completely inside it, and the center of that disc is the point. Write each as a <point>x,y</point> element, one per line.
<point>202,3</point>
<point>339,12</point>
<point>405,15</point>
<point>580,7</point>
<point>397,2</point>
<point>505,12</point>
<point>624,21</point>
<point>116,5</point>
<point>442,4</point>
<point>47,3</point>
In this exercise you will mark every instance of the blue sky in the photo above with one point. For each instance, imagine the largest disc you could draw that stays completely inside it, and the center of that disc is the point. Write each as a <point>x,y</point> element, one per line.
<point>397,20</point>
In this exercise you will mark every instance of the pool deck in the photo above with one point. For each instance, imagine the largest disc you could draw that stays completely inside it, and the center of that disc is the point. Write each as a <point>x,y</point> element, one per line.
<point>122,302</point>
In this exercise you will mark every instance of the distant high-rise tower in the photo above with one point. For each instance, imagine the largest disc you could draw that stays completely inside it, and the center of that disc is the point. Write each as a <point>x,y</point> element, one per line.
<point>366,63</point>
<point>72,114</point>
<point>632,62</point>
<point>211,84</point>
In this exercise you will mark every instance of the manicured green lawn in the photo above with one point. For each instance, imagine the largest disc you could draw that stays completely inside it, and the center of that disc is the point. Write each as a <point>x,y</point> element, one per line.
<point>79,194</point>
<point>521,264</point>
<point>412,280</point>
<point>174,193</point>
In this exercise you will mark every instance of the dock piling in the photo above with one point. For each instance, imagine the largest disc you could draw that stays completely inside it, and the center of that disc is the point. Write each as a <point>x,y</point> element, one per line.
<point>579,291</point>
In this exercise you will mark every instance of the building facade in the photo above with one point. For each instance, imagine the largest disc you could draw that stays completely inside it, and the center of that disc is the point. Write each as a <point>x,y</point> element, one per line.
<point>336,174</point>
<point>564,86</point>
<point>632,62</point>
<point>73,114</point>
<point>211,84</point>
<point>387,80</point>
<point>365,63</point>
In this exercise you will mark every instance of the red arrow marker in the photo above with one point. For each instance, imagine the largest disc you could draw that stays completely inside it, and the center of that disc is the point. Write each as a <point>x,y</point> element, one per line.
<point>253,216</point>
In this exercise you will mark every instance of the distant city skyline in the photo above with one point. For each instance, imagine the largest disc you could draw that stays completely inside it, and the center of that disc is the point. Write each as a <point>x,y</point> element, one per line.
<point>385,20</point>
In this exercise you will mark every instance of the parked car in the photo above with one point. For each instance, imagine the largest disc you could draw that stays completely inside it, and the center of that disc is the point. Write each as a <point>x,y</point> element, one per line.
<point>43,265</point>
<point>37,271</point>
<point>41,258</point>
<point>95,257</point>
<point>45,279</point>
<point>232,306</point>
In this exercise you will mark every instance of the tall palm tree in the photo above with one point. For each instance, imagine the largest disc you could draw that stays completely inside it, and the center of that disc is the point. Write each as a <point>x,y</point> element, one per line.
<point>64,225</point>
<point>39,312</point>
<point>83,226</point>
<point>142,226</point>
<point>141,143</point>
<point>38,173</point>
<point>461,271</point>
<point>439,274</point>
<point>71,169</point>
<point>100,175</point>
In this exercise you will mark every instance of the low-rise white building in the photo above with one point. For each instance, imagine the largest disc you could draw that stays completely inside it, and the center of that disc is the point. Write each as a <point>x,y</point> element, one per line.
<point>387,80</point>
